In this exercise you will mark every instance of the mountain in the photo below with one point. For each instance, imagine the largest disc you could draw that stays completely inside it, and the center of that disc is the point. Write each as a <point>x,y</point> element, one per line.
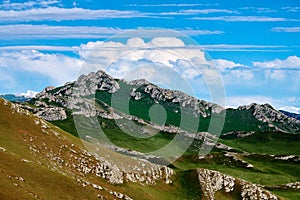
<point>138,124</point>
<point>293,115</point>
<point>135,98</point>
<point>16,98</point>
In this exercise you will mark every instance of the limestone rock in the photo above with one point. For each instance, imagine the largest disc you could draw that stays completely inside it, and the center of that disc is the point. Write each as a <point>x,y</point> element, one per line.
<point>51,114</point>
<point>212,181</point>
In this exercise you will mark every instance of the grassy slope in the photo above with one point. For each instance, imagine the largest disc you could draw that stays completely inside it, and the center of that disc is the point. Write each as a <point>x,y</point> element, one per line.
<point>235,119</point>
<point>39,179</point>
<point>264,172</point>
<point>49,183</point>
<point>267,143</point>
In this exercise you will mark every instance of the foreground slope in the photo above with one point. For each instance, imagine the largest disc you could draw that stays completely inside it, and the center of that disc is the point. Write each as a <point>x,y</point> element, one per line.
<point>258,144</point>
<point>40,161</point>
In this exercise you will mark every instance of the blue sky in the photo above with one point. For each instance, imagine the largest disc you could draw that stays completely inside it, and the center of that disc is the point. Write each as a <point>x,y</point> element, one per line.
<point>255,44</point>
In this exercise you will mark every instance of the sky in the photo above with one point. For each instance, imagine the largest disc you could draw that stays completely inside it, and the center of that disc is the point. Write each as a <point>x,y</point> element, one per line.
<point>254,45</point>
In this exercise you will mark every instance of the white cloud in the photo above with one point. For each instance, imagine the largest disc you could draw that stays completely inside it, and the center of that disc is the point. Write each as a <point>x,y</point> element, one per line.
<point>25,31</point>
<point>161,56</point>
<point>238,76</point>
<point>38,48</point>
<point>197,12</point>
<point>291,62</point>
<point>59,14</point>
<point>171,5</point>
<point>259,10</point>
<point>291,109</point>
<point>223,64</point>
<point>195,32</point>
<point>291,9</point>
<point>275,74</point>
<point>58,67</point>
<point>244,19</point>
<point>286,29</point>
<point>208,11</point>
<point>158,50</point>
<point>28,94</point>
<point>7,5</point>
<point>244,47</point>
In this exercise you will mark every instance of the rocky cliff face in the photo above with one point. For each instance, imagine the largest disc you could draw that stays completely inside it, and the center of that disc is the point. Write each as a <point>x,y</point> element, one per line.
<point>213,181</point>
<point>89,84</point>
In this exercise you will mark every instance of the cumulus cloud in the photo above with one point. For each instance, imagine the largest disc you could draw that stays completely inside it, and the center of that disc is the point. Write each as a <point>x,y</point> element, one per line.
<point>291,109</point>
<point>166,61</point>
<point>223,64</point>
<point>28,94</point>
<point>163,50</point>
<point>291,62</point>
<point>238,76</point>
<point>275,74</point>
<point>58,67</point>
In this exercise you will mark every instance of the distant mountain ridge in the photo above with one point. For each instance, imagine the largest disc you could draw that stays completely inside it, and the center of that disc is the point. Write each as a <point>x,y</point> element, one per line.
<point>293,115</point>
<point>142,95</point>
<point>15,98</point>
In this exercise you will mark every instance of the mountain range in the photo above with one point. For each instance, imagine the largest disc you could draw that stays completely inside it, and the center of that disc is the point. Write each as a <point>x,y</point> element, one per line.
<point>251,152</point>
<point>16,98</point>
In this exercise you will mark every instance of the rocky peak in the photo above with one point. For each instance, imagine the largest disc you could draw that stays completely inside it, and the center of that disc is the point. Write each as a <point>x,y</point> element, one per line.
<point>89,84</point>
<point>267,114</point>
<point>139,82</point>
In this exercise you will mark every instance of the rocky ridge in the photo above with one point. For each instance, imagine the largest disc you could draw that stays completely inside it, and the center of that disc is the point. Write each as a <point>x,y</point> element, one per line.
<point>267,114</point>
<point>70,96</point>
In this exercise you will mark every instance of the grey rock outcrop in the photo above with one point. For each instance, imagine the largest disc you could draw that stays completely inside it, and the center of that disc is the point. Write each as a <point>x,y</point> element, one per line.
<point>267,114</point>
<point>51,114</point>
<point>213,181</point>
